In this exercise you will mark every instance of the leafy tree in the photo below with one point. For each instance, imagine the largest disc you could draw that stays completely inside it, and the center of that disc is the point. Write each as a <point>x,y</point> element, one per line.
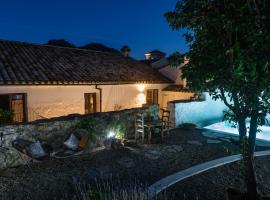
<point>229,57</point>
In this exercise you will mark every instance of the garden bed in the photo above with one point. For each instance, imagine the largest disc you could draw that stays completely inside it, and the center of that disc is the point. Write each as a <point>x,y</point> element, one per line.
<point>212,184</point>
<point>145,164</point>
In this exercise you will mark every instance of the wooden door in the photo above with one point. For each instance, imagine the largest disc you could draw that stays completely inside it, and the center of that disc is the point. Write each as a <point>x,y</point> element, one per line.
<point>16,103</point>
<point>90,103</point>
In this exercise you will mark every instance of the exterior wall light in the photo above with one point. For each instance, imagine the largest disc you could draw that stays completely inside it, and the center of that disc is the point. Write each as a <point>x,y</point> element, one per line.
<point>140,87</point>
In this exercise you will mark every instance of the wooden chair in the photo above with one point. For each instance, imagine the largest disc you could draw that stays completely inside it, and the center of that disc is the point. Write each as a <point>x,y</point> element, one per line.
<point>166,124</point>
<point>165,118</point>
<point>139,127</point>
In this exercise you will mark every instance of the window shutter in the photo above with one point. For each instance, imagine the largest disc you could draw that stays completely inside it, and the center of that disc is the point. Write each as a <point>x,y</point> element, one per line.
<point>155,96</point>
<point>149,98</point>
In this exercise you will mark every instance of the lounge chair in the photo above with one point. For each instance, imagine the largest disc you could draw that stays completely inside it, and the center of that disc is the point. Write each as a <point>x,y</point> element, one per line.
<point>37,150</point>
<point>73,146</point>
<point>40,150</point>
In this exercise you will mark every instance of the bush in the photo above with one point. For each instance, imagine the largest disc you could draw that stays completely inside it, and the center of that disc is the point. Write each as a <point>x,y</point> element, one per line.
<point>91,125</point>
<point>6,116</point>
<point>120,130</point>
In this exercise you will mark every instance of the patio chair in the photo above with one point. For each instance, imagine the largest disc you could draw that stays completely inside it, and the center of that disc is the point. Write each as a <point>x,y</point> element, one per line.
<point>166,124</point>
<point>37,150</point>
<point>73,146</point>
<point>139,127</point>
<point>40,150</point>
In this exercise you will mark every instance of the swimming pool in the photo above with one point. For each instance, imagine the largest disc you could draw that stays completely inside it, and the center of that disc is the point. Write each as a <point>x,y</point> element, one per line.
<point>225,127</point>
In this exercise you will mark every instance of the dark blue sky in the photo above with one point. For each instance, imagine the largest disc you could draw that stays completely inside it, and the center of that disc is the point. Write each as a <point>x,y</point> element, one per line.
<point>137,23</point>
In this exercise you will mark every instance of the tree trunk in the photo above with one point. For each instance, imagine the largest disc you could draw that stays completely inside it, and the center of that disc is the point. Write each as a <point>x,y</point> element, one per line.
<point>249,161</point>
<point>242,130</point>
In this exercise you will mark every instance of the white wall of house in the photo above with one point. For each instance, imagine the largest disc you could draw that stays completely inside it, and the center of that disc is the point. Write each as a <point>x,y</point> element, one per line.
<point>173,96</point>
<point>197,112</point>
<point>54,101</point>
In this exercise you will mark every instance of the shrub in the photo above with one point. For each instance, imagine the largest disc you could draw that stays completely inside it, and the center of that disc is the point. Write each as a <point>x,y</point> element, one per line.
<point>91,125</point>
<point>6,116</point>
<point>120,129</point>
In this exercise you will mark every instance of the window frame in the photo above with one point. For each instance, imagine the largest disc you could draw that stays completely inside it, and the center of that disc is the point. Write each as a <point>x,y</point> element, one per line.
<point>154,96</point>
<point>25,107</point>
<point>85,102</point>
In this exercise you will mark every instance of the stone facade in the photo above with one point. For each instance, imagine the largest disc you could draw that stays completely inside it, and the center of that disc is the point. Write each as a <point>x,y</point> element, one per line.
<point>53,129</point>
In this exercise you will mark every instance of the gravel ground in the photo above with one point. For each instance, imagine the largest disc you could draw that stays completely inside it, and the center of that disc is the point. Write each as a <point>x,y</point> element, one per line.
<point>213,183</point>
<point>144,163</point>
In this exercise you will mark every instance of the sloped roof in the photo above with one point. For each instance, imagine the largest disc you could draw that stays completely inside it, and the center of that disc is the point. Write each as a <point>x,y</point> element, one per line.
<point>176,88</point>
<point>25,63</point>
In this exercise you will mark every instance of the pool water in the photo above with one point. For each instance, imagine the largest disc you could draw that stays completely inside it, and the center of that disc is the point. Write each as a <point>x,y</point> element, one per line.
<point>227,127</point>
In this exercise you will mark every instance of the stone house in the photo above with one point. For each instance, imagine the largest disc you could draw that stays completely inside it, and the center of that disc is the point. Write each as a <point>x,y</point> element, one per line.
<point>42,81</point>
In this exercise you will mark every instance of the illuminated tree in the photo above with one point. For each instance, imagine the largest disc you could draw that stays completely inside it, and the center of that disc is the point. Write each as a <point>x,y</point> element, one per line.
<point>229,57</point>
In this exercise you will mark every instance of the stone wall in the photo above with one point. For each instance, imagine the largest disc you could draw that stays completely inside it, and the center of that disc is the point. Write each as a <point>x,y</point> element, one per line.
<point>49,130</point>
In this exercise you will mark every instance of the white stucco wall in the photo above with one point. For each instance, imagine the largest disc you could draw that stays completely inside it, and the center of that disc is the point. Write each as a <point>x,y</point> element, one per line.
<point>197,112</point>
<point>173,96</point>
<point>55,101</point>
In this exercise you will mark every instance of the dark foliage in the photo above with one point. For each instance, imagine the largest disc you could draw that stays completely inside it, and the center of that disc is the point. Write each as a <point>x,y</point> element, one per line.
<point>229,57</point>
<point>60,43</point>
<point>99,47</point>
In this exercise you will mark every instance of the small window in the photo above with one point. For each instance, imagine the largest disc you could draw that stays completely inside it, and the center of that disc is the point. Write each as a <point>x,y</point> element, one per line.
<point>152,96</point>
<point>90,103</point>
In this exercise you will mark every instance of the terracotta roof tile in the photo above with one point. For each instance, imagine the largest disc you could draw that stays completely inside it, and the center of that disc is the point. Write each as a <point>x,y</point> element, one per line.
<point>25,63</point>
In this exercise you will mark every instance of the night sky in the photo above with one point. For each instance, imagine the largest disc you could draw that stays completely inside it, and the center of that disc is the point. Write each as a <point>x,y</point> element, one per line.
<point>138,23</point>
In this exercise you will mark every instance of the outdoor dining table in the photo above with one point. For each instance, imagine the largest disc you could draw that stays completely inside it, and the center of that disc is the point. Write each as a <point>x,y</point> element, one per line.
<point>150,126</point>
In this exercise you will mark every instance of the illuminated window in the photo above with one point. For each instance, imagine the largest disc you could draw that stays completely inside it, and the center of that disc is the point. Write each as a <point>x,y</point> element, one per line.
<point>152,96</point>
<point>90,103</point>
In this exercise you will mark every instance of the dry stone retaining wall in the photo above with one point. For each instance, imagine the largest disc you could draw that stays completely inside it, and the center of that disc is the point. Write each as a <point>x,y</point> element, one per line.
<point>53,129</point>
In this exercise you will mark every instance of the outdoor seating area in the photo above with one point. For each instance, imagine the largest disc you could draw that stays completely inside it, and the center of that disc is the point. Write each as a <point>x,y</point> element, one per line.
<point>75,143</point>
<point>40,150</point>
<point>149,163</point>
<point>152,126</point>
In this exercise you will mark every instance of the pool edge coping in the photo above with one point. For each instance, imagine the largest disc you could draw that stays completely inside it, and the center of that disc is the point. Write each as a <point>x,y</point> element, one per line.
<point>172,179</point>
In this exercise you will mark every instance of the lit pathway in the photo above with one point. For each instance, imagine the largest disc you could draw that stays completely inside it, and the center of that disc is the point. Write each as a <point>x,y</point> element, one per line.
<point>197,169</point>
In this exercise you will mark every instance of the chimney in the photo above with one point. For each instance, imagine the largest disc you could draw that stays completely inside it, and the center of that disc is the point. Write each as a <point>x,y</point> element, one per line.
<point>125,50</point>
